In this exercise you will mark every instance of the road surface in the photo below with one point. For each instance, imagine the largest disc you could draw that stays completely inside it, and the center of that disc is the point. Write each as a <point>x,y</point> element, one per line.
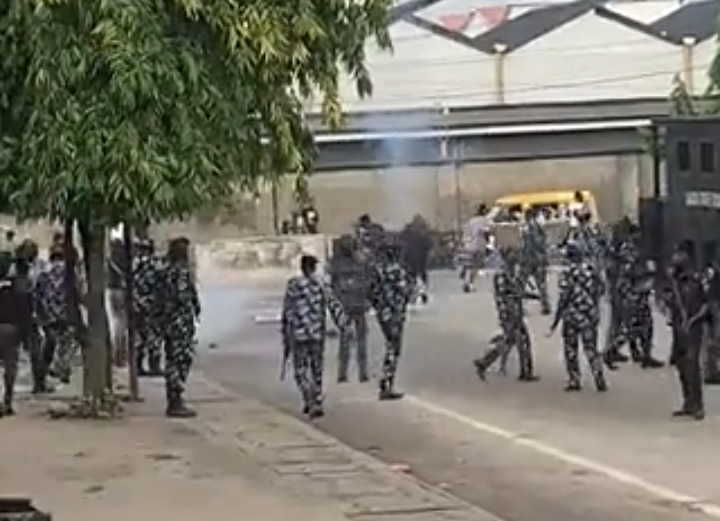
<point>522,451</point>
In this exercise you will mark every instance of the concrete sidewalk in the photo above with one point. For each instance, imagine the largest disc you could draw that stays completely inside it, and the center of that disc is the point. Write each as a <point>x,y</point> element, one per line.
<point>238,458</point>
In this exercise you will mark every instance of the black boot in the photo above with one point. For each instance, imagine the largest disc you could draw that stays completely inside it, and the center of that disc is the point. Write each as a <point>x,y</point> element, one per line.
<point>480,368</point>
<point>7,408</point>
<point>651,363</point>
<point>388,393</point>
<point>176,408</point>
<point>610,359</point>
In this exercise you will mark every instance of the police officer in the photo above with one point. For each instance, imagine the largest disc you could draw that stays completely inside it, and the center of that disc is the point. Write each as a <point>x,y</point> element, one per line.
<point>147,287</point>
<point>390,291</point>
<point>305,306</point>
<point>509,291</point>
<point>534,257</point>
<point>350,282</point>
<point>181,313</point>
<point>580,288</point>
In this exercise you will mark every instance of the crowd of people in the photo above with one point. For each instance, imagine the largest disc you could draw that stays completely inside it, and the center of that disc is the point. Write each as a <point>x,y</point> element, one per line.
<point>41,311</point>
<point>595,267</point>
<point>385,271</point>
<point>374,269</point>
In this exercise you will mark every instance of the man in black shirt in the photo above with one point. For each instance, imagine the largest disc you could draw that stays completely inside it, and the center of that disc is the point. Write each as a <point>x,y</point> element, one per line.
<point>686,301</point>
<point>10,317</point>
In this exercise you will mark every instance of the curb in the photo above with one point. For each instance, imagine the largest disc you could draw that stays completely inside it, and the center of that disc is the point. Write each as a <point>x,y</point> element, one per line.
<point>306,459</point>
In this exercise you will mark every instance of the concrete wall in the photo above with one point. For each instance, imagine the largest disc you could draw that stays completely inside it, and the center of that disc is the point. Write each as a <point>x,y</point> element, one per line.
<point>442,193</point>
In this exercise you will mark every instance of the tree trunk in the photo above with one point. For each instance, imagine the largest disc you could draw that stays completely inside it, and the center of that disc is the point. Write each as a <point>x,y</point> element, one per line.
<point>72,297</point>
<point>99,387</point>
<point>132,355</point>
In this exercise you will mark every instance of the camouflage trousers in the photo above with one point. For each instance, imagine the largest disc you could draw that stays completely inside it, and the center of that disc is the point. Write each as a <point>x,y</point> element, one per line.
<point>573,334</point>
<point>514,335</point>
<point>308,358</point>
<point>537,273</point>
<point>179,343</point>
<point>393,333</point>
<point>62,342</point>
<point>147,342</point>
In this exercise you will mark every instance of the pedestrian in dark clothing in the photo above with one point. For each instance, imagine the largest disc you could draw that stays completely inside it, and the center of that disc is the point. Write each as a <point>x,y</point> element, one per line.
<point>389,295</point>
<point>580,288</point>
<point>369,236</point>
<point>12,304</point>
<point>305,306</point>
<point>417,245</point>
<point>509,292</point>
<point>350,283</point>
<point>28,327</point>
<point>687,304</point>
<point>181,312</point>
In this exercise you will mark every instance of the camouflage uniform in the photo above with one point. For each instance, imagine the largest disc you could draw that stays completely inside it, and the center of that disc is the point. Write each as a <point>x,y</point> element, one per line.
<point>580,288</point>
<point>181,307</point>
<point>146,294</point>
<point>306,303</point>
<point>623,299</point>
<point>509,290</point>
<point>535,260</point>
<point>390,292</point>
<point>54,317</point>
<point>350,282</point>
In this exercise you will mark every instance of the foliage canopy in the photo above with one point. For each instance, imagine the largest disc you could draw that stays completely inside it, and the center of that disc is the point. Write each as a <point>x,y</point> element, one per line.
<point>116,110</point>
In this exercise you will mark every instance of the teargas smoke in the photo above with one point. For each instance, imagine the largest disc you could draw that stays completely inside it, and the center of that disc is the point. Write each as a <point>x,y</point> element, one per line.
<point>400,201</point>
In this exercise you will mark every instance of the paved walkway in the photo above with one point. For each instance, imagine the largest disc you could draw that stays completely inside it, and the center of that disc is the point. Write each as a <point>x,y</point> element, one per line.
<point>238,459</point>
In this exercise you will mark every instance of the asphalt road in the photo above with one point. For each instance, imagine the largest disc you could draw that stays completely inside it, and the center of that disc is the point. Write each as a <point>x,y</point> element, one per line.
<point>522,451</point>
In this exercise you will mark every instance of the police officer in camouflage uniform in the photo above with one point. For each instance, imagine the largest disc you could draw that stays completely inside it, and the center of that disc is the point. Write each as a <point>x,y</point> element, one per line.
<point>147,287</point>
<point>181,312</point>
<point>580,288</point>
<point>305,306</point>
<point>391,287</point>
<point>350,282</point>
<point>535,257</point>
<point>509,291</point>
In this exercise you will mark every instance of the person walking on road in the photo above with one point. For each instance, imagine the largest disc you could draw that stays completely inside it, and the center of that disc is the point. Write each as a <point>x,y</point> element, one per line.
<point>179,321</point>
<point>350,282</point>
<point>417,245</point>
<point>476,237</point>
<point>509,292</point>
<point>580,288</point>
<point>687,304</point>
<point>535,257</point>
<point>306,303</point>
<point>390,292</point>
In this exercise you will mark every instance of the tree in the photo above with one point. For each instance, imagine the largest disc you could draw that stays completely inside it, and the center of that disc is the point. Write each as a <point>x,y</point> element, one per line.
<point>147,110</point>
